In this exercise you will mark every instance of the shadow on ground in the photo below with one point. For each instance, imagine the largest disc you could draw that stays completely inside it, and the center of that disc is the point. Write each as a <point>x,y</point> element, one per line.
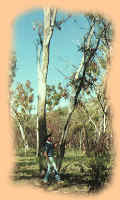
<point>27,174</point>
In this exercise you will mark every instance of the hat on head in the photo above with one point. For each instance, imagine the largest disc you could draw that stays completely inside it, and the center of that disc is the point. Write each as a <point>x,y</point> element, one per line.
<point>48,135</point>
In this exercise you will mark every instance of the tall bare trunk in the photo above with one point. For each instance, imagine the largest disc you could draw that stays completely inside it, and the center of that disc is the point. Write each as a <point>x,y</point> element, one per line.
<point>42,74</point>
<point>49,19</point>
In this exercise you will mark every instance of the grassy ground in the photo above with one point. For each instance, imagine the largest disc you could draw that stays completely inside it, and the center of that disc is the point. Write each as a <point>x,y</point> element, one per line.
<point>75,180</point>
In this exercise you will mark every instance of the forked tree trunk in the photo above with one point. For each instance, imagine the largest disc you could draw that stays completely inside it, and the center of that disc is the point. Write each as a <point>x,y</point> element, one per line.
<point>25,143</point>
<point>26,146</point>
<point>61,149</point>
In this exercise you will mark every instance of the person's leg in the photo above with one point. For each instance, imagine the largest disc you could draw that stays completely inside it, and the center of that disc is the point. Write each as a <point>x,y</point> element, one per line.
<point>57,177</point>
<point>52,162</point>
<point>47,173</point>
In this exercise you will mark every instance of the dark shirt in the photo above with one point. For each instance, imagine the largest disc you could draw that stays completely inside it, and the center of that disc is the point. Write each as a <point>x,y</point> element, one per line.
<point>49,148</point>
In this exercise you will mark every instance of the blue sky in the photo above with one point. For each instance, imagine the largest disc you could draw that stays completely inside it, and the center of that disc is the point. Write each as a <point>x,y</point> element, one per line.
<point>63,48</point>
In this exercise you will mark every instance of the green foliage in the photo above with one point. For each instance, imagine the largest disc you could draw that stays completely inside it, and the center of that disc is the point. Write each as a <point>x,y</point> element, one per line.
<point>99,170</point>
<point>55,122</point>
<point>21,102</point>
<point>54,95</point>
<point>22,99</point>
<point>12,72</point>
<point>96,51</point>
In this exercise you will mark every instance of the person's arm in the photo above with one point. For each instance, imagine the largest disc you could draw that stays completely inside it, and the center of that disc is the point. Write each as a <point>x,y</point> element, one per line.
<point>55,149</point>
<point>55,145</point>
<point>45,152</point>
<point>46,156</point>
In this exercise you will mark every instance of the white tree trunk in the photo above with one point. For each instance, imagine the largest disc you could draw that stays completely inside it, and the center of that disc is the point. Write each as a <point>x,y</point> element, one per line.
<point>88,44</point>
<point>26,146</point>
<point>104,120</point>
<point>49,20</point>
<point>37,140</point>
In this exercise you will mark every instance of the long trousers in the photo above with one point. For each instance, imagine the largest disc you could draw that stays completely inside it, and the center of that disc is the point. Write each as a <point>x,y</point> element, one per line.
<point>51,163</point>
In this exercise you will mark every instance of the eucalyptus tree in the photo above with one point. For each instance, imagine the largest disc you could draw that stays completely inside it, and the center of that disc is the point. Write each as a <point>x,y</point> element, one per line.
<point>13,110</point>
<point>45,31</point>
<point>96,41</point>
<point>21,108</point>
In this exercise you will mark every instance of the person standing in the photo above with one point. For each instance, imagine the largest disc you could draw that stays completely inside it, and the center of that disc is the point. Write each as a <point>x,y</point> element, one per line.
<point>49,153</point>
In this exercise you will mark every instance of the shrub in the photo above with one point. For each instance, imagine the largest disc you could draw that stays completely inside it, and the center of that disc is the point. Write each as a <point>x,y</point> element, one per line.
<point>99,170</point>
